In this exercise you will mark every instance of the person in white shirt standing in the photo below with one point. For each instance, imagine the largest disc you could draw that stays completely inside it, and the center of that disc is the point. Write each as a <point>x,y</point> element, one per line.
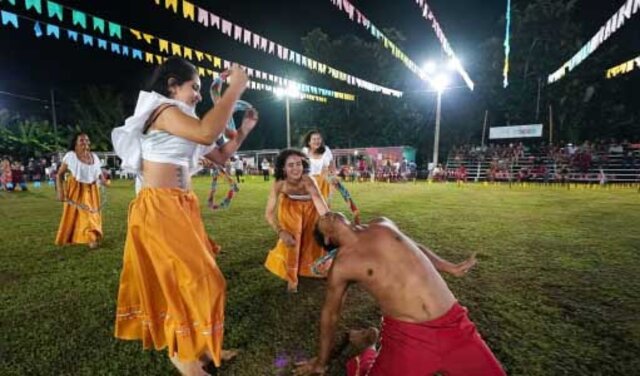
<point>320,160</point>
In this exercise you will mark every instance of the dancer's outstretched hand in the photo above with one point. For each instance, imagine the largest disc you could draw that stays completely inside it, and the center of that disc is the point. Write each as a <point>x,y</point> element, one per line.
<point>461,269</point>
<point>309,367</point>
<point>250,120</point>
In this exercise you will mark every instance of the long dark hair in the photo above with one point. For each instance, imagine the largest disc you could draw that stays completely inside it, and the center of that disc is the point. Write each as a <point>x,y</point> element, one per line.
<point>73,140</point>
<point>281,160</point>
<point>307,139</point>
<point>174,68</point>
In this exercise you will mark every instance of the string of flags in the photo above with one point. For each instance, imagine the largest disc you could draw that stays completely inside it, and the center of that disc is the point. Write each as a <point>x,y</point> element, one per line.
<point>427,14</point>
<point>613,24</point>
<point>357,16</point>
<point>41,29</point>
<point>243,35</point>
<point>624,68</point>
<point>165,48</point>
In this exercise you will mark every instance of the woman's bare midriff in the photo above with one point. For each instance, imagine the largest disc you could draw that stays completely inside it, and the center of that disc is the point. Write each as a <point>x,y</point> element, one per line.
<point>165,175</point>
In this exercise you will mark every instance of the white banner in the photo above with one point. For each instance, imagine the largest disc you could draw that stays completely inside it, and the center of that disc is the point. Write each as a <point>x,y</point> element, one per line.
<point>517,131</point>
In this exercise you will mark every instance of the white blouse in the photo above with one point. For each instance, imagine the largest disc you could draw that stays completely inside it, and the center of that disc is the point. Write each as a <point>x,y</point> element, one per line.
<point>316,165</point>
<point>82,172</point>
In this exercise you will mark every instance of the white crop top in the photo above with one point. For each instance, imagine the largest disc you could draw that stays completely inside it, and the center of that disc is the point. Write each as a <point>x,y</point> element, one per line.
<point>131,145</point>
<point>82,172</point>
<point>163,147</point>
<point>316,165</point>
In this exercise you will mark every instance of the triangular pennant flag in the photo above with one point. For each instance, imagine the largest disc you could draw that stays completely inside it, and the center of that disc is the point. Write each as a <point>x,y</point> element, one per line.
<point>9,18</point>
<point>115,48</point>
<point>37,29</point>
<point>226,27</point>
<point>35,4</point>
<point>264,42</point>
<point>125,51</point>
<point>115,30</point>
<point>53,30</point>
<point>159,59</point>
<point>87,40</point>
<point>217,62</point>
<point>272,47</point>
<point>54,10</point>
<point>210,72</point>
<point>256,41</point>
<point>247,37</point>
<point>79,18</point>
<point>164,45</point>
<point>199,55</point>
<point>208,57</point>
<point>201,72</point>
<point>148,38</point>
<point>98,24</point>
<point>102,43</point>
<point>188,10</point>
<point>72,35</point>
<point>171,4</point>
<point>136,54</point>
<point>187,53</point>
<point>215,21</point>
<point>136,33</point>
<point>237,35</point>
<point>176,49</point>
<point>148,57</point>
<point>203,17</point>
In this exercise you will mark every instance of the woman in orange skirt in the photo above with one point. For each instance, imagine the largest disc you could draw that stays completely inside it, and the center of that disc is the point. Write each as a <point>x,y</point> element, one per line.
<point>81,221</point>
<point>172,293</point>
<point>320,160</point>
<point>299,203</point>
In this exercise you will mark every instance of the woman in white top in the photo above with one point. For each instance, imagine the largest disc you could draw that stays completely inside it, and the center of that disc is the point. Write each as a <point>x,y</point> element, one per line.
<point>172,293</point>
<point>81,221</point>
<point>320,160</point>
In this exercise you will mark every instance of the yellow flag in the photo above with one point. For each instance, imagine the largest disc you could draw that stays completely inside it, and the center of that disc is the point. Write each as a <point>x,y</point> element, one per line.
<point>188,10</point>
<point>201,72</point>
<point>176,49</point>
<point>199,55</point>
<point>148,57</point>
<point>148,38</point>
<point>171,4</point>
<point>186,53</point>
<point>164,45</point>
<point>217,62</point>
<point>136,34</point>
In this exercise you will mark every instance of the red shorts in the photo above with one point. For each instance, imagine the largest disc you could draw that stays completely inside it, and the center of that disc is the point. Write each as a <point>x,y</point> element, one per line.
<point>449,345</point>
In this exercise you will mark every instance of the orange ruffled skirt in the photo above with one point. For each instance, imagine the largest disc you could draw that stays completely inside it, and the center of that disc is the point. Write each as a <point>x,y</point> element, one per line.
<point>80,226</point>
<point>298,218</point>
<point>172,293</point>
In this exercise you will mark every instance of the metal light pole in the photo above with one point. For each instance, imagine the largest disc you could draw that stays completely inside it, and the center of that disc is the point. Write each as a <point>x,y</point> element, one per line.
<point>288,123</point>
<point>436,139</point>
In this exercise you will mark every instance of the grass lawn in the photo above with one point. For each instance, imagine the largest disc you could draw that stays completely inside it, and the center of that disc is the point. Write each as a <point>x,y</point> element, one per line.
<point>556,291</point>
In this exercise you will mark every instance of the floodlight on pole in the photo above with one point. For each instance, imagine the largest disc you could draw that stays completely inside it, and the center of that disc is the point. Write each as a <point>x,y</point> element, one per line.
<point>291,91</point>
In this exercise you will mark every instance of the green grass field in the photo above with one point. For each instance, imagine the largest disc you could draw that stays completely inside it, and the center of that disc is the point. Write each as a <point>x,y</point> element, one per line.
<point>556,290</point>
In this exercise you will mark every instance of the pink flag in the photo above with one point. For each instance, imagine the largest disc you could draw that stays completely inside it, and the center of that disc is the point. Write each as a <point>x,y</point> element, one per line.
<point>247,37</point>
<point>237,32</point>
<point>203,17</point>
<point>226,27</point>
<point>215,21</point>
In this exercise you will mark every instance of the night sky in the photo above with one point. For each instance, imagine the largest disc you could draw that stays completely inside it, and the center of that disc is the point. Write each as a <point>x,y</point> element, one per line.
<point>32,66</point>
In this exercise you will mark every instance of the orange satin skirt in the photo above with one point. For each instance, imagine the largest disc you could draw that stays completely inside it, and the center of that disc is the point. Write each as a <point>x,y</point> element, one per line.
<point>172,293</point>
<point>323,185</point>
<point>77,225</point>
<point>299,218</point>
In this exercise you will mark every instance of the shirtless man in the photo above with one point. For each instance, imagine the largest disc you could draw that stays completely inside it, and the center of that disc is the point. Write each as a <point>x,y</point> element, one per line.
<point>425,331</point>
